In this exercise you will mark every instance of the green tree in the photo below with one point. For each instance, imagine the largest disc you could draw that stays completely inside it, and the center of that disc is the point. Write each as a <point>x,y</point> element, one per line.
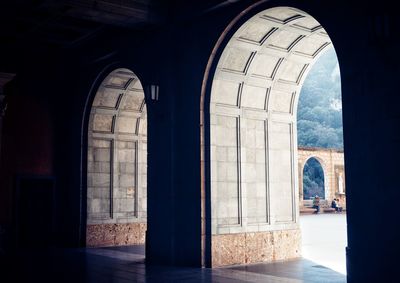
<point>313,179</point>
<point>319,116</point>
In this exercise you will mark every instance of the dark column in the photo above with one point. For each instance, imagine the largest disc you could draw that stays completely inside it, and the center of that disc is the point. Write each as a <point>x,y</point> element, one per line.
<point>370,74</point>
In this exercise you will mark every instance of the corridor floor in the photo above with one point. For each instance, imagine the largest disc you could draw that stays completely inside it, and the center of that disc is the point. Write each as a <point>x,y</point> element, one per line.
<point>126,264</point>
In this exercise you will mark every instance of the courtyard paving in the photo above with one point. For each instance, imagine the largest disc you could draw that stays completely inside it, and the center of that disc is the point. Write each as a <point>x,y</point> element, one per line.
<point>324,238</point>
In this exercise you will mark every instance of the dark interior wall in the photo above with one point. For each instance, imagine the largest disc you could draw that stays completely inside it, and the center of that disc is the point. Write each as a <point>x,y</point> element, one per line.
<point>27,148</point>
<point>29,138</point>
<point>369,74</point>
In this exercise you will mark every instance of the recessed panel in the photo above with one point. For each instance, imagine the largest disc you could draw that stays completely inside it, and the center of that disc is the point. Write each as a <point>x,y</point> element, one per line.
<point>282,15</point>
<point>127,125</point>
<point>253,97</point>
<point>254,174</point>
<point>133,100</point>
<point>99,180</point>
<point>280,101</point>
<point>292,71</point>
<point>265,66</point>
<point>237,60</point>
<point>106,98</point>
<point>135,84</point>
<point>127,176</point>
<point>103,123</point>
<point>256,32</point>
<point>308,23</point>
<point>118,81</point>
<point>281,171</point>
<point>284,40</point>
<point>311,46</point>
<point>224,92</point>
<point>226,184</point>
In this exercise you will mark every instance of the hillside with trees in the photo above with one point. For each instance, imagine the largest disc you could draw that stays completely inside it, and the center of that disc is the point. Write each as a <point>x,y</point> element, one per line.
<point>319,117</point>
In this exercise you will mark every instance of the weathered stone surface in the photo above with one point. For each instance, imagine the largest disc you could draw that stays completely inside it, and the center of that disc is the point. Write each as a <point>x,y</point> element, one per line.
<point>245,248</point>
<point>117,234</point>
<point>228,249</point>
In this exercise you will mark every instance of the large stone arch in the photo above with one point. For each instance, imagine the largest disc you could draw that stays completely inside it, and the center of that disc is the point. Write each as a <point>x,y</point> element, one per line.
<point>252,146</point>
<point>117,162</point>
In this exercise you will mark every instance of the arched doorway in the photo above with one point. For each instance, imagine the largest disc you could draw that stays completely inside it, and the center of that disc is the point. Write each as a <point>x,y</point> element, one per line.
<point>251,138</point>
<point>117,162</point>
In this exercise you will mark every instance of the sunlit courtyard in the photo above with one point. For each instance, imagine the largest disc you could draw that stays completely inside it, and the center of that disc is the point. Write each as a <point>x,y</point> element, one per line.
<point>324,240</point>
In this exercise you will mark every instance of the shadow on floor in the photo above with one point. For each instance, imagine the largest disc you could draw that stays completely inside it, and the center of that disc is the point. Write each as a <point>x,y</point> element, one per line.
<point>126,264</point>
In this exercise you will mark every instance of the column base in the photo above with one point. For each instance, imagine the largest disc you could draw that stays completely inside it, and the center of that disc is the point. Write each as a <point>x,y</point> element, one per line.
<point>255,247</point>
<point>118,234</point>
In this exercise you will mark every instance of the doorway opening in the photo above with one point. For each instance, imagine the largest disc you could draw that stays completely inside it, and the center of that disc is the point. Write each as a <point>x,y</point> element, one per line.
<point>250,135</point>
<point>322,195</point>
<point>117,163</point>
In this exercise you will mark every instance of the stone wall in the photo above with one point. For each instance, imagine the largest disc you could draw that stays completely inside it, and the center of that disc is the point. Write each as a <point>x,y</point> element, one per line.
<point>116,234</point>
<point>332,162</point>
<point>117,162</point>
<point>253,135</point>
<point>245,248</point>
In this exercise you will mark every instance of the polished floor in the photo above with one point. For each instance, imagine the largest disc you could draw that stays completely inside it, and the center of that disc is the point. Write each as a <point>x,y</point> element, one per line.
<point>126,264</point>
<point>324,240</point>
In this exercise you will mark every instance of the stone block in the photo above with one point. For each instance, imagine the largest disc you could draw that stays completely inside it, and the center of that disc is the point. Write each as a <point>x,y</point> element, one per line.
<point>103,123</point>
<point>99,180</point>
<point>127,125</point>
<point>253,97</point>
<point>126,155</point>
<point>98,235</point>
<point>127,180</point>
<point>254,247</point>
<point>227,92</point>
<point>101,154</point>
<point>236,60</point>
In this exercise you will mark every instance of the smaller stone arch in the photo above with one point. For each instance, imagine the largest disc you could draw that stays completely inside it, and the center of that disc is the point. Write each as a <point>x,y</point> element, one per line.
<point>332,162</point>
<point>117,162</point>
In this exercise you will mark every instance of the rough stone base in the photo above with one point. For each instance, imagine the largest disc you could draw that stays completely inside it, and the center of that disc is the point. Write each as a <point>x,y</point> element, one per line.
<point>115,234</point>
<point>245,248</point>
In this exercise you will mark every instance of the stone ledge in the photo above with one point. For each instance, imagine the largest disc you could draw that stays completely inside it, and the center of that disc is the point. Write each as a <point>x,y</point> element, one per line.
<point>307,210</point>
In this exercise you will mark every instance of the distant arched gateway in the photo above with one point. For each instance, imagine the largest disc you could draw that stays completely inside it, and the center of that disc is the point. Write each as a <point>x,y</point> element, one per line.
<point>332,163</point>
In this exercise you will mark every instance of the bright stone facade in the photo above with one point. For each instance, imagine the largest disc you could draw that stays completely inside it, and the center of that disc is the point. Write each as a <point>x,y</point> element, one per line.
<point>253,134</point>
<point>117,163</point>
